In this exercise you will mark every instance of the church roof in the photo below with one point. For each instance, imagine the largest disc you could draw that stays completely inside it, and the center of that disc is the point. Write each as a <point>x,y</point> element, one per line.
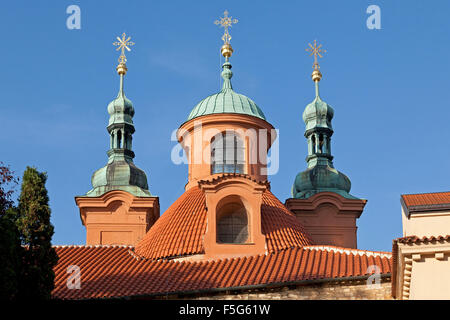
<point>180,230</point>
<point>116,271</point>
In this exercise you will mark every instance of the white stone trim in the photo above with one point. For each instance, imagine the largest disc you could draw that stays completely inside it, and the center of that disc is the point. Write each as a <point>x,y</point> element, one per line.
<point>349,251</point>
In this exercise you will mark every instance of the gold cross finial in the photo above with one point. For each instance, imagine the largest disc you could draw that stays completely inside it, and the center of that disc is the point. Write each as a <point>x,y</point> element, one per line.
<point>316,50</point>
<point>226,22</point>
<point>123,44</point>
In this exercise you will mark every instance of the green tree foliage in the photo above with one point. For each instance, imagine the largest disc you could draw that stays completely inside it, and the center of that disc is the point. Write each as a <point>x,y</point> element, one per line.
<point>33,222</point>
<point>10,248</point>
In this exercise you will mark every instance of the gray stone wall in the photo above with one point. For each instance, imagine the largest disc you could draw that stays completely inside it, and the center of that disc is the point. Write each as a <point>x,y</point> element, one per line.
<point>346,290</point>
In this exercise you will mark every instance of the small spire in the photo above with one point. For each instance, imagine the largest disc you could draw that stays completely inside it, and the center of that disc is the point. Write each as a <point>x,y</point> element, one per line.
<point>226,22</point>
<point>122,44</point>
<point>316,51</point>
<point>226,75</point>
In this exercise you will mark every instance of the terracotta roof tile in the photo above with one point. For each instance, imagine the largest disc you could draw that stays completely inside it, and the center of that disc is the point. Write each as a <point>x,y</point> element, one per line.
<point>180,230</point>
<point>417,240</point>
<point>113,271</point>
<point>426,199</point>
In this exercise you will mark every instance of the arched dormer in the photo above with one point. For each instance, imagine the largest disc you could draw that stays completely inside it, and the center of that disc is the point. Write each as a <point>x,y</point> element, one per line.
<point>233,205</point>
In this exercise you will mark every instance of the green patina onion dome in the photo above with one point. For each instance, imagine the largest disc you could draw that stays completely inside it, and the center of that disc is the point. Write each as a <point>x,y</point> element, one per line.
<point>320,176</point>
<point>226,101</point>
<point>120,173</point>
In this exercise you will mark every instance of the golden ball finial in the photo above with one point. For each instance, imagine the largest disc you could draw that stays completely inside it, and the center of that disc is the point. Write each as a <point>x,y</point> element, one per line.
<point>316,75</point>
<point>226,50</point>
<point>121,68</point>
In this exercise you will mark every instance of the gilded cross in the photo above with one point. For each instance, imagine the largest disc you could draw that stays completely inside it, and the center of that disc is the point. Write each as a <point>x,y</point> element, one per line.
<point>226,22</point>
<point>316,51</point>
<point>123,44</point>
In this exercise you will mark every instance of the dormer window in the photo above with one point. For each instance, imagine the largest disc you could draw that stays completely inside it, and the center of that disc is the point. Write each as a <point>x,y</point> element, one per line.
<point>232,224</point>
<point>227,154</point>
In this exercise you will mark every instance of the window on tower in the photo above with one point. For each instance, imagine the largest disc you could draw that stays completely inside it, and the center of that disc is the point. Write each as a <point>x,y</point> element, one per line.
<point>227,154</point>
<point>119,139</point>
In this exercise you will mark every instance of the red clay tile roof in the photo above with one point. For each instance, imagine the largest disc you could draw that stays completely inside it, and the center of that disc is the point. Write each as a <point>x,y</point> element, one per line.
<point>415,239</point>
<point>115,271</point>
<point>426,199</point>
<point>180,230</point>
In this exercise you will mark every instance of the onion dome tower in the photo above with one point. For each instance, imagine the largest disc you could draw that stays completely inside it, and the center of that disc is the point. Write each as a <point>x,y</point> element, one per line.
<point>119,209</point>
<point>227,208</point>
<point>120,173</point>
<point>320,175</point>
<point>321,198</point>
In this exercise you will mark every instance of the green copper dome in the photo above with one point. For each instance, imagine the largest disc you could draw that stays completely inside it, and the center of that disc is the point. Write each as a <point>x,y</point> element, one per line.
<point>121,109</point>
<point>226,101</point>
<point>320,176</point>
<point>120,173</point>
<point>318,114</point>
<point>319,179</point>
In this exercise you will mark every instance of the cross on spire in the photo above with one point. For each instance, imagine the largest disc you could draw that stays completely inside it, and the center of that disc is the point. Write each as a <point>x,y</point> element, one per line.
<point>226,22</point>
<point>123,44</point>
<point>316,51</point>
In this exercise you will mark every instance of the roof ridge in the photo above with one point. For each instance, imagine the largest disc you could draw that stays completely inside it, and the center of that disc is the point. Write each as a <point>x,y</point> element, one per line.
<point>92,246</point>
<point>423,193</point>
<point>416,239</point>
<point>349,250</point>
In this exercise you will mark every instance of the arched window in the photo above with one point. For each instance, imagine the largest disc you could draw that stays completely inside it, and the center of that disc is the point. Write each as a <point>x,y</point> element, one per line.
<point>313,140</point>
<point>232,224</point>
<point>321,143</point>
<point>227,154</point>
<point>119,139</point>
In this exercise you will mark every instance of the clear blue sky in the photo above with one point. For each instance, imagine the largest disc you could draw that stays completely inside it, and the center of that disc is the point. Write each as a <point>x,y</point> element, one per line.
<point>389,89</point>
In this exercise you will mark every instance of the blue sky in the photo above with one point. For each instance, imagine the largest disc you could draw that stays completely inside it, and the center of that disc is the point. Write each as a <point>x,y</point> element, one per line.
<point>389,89</point>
